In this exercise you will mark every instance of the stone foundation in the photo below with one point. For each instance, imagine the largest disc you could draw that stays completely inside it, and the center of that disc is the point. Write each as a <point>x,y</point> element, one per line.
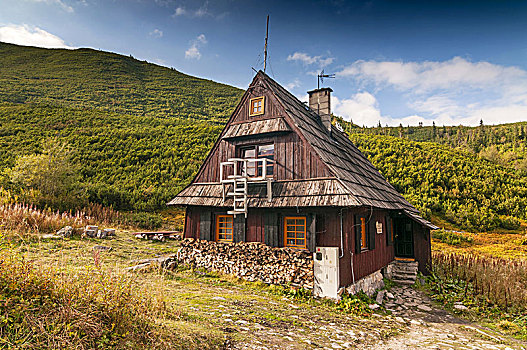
<point>368,284</point>
<point>251,261</point>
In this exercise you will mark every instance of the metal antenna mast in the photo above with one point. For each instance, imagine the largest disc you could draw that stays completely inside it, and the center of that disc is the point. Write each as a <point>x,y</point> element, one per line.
<point>321,77</point>
<point>265,49</point>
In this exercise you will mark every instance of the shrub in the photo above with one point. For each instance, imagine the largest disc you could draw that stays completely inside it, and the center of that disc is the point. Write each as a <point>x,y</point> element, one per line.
<point>357,304</point>
<point>143,220</point>
<point>451,237</point>
<point>46,309</point>
<point>509,222</point>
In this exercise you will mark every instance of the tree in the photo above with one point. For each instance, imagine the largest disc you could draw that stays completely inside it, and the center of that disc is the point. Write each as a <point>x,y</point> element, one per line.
<point>49,179</point>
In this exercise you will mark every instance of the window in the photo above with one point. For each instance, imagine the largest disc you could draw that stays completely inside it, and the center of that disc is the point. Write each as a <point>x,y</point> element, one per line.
<point>258,152</point>
<point>224,228</point>
<point>363,234</point>
<point>295,232</point>
<point>257,106</point>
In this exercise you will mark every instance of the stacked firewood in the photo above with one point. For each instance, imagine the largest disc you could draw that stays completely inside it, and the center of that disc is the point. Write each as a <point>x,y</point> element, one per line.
<point>251,261</point>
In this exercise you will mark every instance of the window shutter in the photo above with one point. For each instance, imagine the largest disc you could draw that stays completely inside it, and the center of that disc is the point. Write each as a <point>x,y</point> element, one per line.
<point>388,230</point>
<point>271,229</point>
<point>357,233</point>
<point>280,220</point>
<point>205,223</point>
<point>371,232</point>
<point>311,232</point>
<point>239,228</point>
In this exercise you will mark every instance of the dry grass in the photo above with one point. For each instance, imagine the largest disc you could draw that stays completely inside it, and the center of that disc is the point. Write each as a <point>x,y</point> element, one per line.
<point>62,295</point>
<point>27,219</point>
<point>500,281</point>
<point>42,308</point>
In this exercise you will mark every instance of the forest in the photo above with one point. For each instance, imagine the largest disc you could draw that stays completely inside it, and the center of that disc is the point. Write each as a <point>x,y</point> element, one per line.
<point>133,134</point>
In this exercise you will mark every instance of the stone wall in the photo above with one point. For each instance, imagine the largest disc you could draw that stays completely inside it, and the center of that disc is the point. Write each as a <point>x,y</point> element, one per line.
<point>368,284</point>
<point>251,261</point>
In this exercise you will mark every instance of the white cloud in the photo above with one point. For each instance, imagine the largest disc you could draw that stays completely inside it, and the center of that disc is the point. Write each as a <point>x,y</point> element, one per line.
<point>156,33</point>
<point>294,84</point>
<point>30,36</point>
<point>202,11</point>
<point>451,92</point>
<point>60,3</point>
<point>429,75</point>
<point>362,108</point>
<point>193,51</point>
<point>309,60</point>
<point>180,11</point>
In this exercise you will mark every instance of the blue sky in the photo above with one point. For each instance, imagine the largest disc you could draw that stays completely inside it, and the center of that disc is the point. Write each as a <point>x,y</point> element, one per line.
<point>452,62</point>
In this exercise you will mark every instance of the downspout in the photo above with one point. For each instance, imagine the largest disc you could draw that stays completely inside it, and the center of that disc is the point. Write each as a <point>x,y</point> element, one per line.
<point>341,236</point>
<point>352,272</point>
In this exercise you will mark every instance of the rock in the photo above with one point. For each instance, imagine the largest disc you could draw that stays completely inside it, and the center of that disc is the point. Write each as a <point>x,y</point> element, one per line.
<point>219,298</point>
<point>460,307</point>
<point>51,236</point>
<point>110,232</point>
<point>415,322</point>
<point>91,231</point>
<point>66,232</point>
<point>374,306</point>
<point>380,296</point>
<point>138,267</point>
<point>102,248</point>
<point>424,308</point>
<point>389,295</point>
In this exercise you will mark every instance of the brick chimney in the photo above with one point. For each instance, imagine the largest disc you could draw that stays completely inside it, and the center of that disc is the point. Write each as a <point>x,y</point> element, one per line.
<point>319,101</point>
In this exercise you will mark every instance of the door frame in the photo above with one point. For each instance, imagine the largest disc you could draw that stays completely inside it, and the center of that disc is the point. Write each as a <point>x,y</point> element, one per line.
<point>401,231</point>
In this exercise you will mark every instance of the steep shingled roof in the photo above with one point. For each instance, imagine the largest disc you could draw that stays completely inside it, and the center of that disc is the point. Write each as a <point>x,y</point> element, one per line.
<point>344,159</point>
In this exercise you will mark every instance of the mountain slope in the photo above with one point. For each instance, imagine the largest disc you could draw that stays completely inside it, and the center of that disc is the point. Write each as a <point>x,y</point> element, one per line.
<point>456,185</point>
<point>138,131</point>
<point>504,144</point>
<point>87,78</point>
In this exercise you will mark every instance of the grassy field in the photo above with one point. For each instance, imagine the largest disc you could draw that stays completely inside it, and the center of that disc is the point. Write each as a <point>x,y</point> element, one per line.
<point>207,310</point>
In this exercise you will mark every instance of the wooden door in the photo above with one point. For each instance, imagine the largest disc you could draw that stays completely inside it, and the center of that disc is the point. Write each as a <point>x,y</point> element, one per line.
<point>404,238</point>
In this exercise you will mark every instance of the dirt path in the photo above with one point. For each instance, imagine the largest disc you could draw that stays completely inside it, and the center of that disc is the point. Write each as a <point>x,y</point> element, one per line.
<point>414,324</point>
<point>432,328</point>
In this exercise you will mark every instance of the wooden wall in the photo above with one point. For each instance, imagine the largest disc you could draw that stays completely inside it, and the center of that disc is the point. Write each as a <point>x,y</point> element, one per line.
<point>422,247</point>
<point>324,227</point>
<point>293,160</point>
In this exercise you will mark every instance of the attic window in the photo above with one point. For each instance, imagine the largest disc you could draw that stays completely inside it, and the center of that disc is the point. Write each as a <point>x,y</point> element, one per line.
<point>257,106</point>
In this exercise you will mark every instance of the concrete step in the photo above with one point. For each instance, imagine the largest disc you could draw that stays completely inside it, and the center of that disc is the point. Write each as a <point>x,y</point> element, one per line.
<point>403,281</point>
<point>401,270</point>
<point>405,275</point>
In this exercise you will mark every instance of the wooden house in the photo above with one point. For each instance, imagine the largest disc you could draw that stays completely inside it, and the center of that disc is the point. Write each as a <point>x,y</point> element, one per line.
<point>280,173</point>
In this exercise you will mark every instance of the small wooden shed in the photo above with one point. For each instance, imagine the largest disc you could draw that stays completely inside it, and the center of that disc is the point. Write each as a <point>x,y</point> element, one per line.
<point>280,173</point>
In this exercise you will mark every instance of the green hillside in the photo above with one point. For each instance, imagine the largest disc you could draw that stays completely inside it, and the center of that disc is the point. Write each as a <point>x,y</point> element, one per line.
<point>87,78</point>
<point>504,144</point>
<point>456,185</point>
<point>138,131</point>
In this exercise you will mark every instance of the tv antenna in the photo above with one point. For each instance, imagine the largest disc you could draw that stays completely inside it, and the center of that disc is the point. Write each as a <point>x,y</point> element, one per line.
<point>265,48</point>
<point>321,77</point>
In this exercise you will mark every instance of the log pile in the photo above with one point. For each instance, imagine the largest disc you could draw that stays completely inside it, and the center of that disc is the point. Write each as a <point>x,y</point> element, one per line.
<point>251,261</point>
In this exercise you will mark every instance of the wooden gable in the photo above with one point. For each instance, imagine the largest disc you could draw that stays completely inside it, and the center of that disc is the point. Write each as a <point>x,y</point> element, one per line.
<point>295,160</point>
